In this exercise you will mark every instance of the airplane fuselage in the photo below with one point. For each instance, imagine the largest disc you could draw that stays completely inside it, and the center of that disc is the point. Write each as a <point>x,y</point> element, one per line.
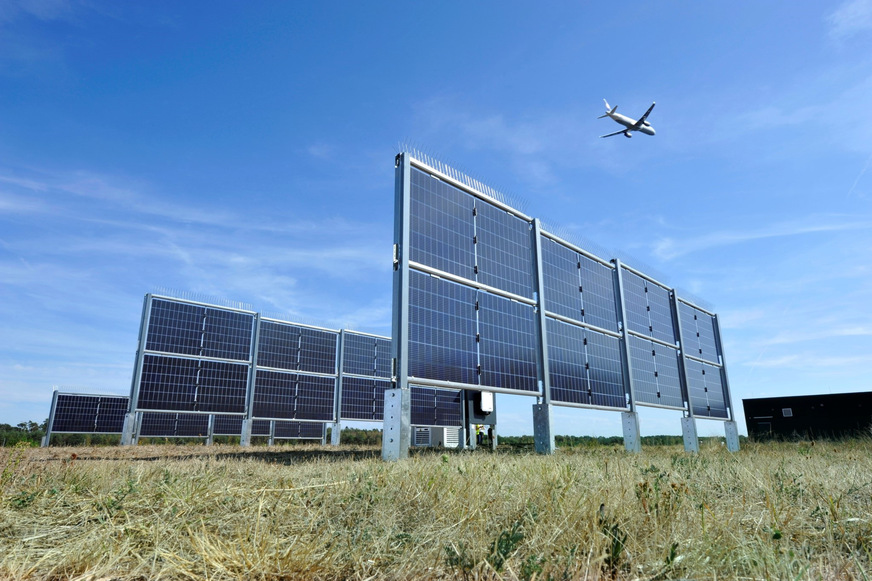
<point>629,123</point>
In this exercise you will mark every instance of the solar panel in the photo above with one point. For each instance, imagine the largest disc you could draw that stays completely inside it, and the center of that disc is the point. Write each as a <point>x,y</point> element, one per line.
<point>163,425</point>
<point>442,226</point>
<point>648,308</point>
<point>655,373</point>
<point>297,348</point>
<point>442,330</point>
<point>577,287</point>
<point>706,389</point>
<point>89,414</point>
<point>366,355</point>
<point>363,399</point>
<point>507,343</point>
<point>698,333</point>
<point>436,407</point>
<point>198,330</point>
<point>192,385</point>
<point>299,430</point>
<point>503,250</point>
<point>585,366</point>
<point>282,395</point>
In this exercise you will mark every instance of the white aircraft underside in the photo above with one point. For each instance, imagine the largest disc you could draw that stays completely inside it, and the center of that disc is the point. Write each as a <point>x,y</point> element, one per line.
<point>642,125</point>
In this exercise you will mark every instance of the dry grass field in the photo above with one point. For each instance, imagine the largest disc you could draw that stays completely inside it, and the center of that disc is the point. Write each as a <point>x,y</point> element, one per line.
<point>772,511</point>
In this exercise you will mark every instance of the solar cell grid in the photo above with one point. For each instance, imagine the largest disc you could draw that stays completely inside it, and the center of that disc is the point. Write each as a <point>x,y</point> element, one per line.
<point>435,407</point>
<point>442,226</point>
<point>363,399</point>
<point>504,250</point>
<point>655,373</point>
<point>227,335</point>
<point>89,414</point>
<point>165,425</point>
<point>281,395</point>
<point>366,355</point>
<point>301,430</point>
<point>442,330</point>
<point>192,385</point>
<point>706,390</point>
<point>598,294</point>
<point>507,343</point>
<point>648,308</point>
<point>698,332</point>
<point>175,327</point>
<point>562,279</point>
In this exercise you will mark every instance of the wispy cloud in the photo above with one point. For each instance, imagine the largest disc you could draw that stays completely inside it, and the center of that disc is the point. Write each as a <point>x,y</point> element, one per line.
<point>850,18</point>
<point>669,248</point>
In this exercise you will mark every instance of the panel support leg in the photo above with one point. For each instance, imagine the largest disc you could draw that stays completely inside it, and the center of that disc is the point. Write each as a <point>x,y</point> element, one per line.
<point>632,440</point>
<point>543,437</point>
<point>492,436</point>
<point>397,435</point>
<point>731,431</point>
<point>245,437</point>
<point>335,434</point>
<point>210,434</point>
<point>688,431</point>
<point>473,437</point>
<point>128,430</point>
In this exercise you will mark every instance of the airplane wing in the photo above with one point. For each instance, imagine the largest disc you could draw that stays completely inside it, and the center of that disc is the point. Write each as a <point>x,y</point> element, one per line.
<point>641,120</point>
<point>615,133</point>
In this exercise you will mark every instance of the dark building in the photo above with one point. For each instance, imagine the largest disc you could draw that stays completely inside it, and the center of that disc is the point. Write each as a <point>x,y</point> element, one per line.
<point>836,415</point>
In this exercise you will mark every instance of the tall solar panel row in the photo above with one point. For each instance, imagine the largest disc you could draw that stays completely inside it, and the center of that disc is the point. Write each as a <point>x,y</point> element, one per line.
<point>487,300</point>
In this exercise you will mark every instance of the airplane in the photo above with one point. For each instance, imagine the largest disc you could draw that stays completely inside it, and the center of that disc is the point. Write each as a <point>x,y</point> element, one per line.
<point>631,124</point>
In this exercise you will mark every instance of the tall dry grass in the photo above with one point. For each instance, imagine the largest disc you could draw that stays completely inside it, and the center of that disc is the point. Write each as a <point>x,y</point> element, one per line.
<point>775,511</point>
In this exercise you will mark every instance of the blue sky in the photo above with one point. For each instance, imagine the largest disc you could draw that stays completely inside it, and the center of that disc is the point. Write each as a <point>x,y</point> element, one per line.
<point>245,151</point>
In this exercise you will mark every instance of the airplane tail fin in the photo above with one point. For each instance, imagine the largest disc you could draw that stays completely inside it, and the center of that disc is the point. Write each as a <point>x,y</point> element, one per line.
<point>610,110</point>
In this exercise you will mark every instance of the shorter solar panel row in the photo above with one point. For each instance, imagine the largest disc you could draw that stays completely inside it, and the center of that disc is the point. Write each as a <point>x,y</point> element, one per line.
<point>77,413</point>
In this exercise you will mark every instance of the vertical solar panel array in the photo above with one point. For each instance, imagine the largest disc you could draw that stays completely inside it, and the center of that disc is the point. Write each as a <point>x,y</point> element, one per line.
<point>706,378</point>
<point>484,297</point>
<point>366,374</point>
<point>178,425</point>
<point>195,358</point>
<point>199,358</point>
<point>77,413</point>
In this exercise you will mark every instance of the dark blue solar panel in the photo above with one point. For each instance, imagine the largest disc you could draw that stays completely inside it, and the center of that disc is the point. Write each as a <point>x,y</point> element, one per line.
<point>157,425</point>
<point>89,414</point>
<point>698,331</point>
<point>366,355</point>
<point>232,426</point>
<point>655,373</point>
<point>436,407</point>
<point>648,308</point>
<point>442,330</point>
<point>507,343</point>
<point>292,347</point>
<point>299,430</point>
<point>562,280</point>
<point>227,335</point>
<point>282,395</point>
<point>179,384</point>
<point>598,294</point>
<point>363,399</point>
<point>441,234</point>
<point>706,388</point>
<point>585,366</point>
<point>504,250</point>
<point>186,329</point>
<point>175,327</point>
<point>577,287</point>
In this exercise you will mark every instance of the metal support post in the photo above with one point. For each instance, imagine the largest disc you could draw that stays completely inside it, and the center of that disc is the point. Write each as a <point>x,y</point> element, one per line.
<point>731,431</point>
<point>397,433</point>
<point>210,433</point>
<point>397,436</point>
<point>324,434</point>
<point>247,421</point>
<point>137,428</point>
<point>632,440</point>
<point>629,419</point>
<point>51,416</point>
<point>688,432</point>
<point>543,436</point>
<point>130,431</point>
<point>335,433</point>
